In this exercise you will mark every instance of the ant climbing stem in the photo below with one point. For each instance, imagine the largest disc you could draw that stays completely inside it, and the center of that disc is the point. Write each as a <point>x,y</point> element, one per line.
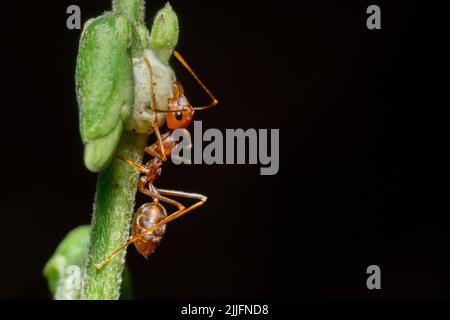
<point>150,220</point>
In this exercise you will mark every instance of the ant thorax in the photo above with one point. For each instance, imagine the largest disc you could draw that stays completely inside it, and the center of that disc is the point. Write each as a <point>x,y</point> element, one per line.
<point>154,170</point>
<point>163,78</point>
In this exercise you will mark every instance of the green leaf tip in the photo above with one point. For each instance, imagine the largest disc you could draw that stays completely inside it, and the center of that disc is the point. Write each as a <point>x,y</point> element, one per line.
<point>164,34</point>
<point>70,253</point>
<point>104,85</point>
<point>98,153</point>
<point>65,268</point>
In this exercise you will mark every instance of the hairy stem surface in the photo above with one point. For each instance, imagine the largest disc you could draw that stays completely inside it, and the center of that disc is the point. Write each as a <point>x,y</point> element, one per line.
<point>113,207</point>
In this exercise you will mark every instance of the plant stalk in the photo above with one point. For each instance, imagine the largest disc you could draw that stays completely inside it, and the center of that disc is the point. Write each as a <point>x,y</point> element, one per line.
<point>115,198</point>
<point>117,184</point>
<point>113,207</point>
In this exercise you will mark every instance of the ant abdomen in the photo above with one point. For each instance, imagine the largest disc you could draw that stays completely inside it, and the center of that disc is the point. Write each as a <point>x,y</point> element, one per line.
<point>146,217</point>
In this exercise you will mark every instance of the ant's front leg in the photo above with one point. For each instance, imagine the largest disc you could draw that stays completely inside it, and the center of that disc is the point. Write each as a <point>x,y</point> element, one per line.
<point>154,107</point>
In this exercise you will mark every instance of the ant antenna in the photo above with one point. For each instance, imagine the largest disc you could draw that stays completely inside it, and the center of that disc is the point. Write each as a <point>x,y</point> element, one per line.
<point>214,101</point>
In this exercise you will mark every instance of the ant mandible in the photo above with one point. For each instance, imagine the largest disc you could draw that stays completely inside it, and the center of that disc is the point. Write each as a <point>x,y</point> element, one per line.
<point>149,221</point>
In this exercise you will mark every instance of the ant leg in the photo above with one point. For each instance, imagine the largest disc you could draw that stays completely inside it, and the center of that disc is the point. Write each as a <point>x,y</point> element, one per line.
<point>182,194</point>
<point>151,191</point>
<point>201,200</point>
<point>214,101</point>
<point>154,107</point>
<point>153,149</point>
<point>154,193</point>
<point>137,166</point>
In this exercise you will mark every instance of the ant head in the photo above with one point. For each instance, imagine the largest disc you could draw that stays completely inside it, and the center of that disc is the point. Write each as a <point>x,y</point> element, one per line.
<point>181,112</point>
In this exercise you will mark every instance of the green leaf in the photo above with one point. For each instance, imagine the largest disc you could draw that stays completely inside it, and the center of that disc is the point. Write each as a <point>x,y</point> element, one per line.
<point>68,262</point>
<point>72,251</point>
<point>104,85</point>
<point>98,153</point>
<point>133,9</point>
<point>164,35</point>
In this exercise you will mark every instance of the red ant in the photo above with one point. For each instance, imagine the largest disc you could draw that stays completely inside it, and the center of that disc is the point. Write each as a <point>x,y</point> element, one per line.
<point>149,221</point>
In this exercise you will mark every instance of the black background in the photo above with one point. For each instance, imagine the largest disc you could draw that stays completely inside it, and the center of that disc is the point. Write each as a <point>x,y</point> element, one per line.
<point>355,185</point>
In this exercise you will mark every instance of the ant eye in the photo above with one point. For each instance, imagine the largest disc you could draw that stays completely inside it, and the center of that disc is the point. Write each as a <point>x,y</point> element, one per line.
<point>179,118</point>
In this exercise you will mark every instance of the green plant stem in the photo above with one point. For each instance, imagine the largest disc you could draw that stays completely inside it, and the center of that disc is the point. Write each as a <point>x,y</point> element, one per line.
<point>117,185</point>
<point>134,9</point>
<point>114,204</point>
<point>115,198</point>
